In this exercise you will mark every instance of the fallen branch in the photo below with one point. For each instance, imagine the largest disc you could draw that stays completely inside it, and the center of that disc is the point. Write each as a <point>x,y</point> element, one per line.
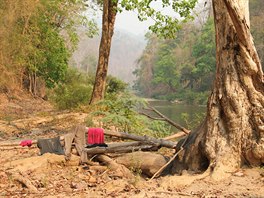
<point>163,167</point>
<point>150,141</point>
<point>186,131</point>
<point>174,136</point>
<point>151,117</point>
<point>24,181</point>
<point>146,139</point>
<point>125,147</point>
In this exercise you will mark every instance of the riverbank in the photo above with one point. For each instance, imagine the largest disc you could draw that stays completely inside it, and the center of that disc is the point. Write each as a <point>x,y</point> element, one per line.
<point>52,177</point>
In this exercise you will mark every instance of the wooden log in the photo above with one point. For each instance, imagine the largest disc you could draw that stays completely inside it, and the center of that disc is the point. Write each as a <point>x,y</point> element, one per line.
<point>120,169</point>
<point>175,155</point>
<point>174,136</point>
<point>125,147</point>
<point>146,139</point>
<point>148,162</point>
<point>186,131</point>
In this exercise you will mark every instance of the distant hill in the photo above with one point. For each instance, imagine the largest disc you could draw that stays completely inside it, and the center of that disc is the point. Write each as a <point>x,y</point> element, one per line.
<point>126,49</point>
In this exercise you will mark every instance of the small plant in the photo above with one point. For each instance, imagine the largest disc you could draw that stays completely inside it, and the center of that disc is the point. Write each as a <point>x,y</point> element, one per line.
<point>43,114</point>
<point>45,181</point>
<point>115,86</point>
<point>8,118</point>
<point>135,167</point>
<point>89,121</point>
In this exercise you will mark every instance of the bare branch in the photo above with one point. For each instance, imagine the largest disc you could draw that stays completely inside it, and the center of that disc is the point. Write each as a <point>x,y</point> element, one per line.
<point>146,139</point>
<point>165,118</point>
<point>153,118</point>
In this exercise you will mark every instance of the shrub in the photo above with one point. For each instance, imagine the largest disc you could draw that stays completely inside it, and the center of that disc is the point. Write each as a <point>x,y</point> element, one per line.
<point>121,112</point>
<point>115,85</point>
<point>75,91</point>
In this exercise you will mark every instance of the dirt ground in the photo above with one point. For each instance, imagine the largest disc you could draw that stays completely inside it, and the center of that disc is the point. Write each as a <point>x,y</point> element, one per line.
<point>24,173</point>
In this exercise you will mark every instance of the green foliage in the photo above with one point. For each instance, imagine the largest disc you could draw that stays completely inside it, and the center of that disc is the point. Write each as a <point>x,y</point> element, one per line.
<point>158,129</point>
<point>144,72</point>
<point>115,86</point>
<point>165,26</point>
<point>182,68</point>
<point>195,98</point>
<point>74,92</point>
<point>204,53</point>
<point>121,112</point>
<point>37,38</point>
<point>55,59</point>
<point>165,71</point>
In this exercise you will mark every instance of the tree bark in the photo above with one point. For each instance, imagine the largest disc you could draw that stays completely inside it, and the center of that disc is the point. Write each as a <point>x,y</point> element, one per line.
<point>108,21</point>
<point>233,132</point>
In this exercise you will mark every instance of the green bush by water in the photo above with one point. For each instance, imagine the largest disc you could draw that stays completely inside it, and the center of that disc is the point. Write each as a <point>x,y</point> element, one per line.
<point>121,111</point>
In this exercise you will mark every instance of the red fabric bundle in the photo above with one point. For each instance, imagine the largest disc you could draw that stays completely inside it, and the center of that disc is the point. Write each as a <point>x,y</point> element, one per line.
<point>95,136</point>
<point>26,143</point>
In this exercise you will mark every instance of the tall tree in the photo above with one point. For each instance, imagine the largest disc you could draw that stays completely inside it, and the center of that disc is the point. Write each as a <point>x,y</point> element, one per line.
<point>108,21</point>
<point>233,131</point>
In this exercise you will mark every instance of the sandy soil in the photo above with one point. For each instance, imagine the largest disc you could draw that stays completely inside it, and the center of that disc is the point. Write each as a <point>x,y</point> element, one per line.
<point>23,173</point>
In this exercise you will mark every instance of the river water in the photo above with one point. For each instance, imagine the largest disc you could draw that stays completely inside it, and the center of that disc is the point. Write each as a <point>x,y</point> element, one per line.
<point>178,112</point>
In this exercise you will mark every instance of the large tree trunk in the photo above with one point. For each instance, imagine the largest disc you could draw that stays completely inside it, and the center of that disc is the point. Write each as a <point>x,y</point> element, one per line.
<point>108,21</point>
<point>233,132</point>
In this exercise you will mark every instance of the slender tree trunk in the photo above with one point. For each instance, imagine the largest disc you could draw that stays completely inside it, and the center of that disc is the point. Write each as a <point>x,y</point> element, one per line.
<point>233,132</point>
<point>109,15</point>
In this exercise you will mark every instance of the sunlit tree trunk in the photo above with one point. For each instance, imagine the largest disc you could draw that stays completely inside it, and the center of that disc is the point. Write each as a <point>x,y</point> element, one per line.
<point>233,132</point>
<point>109,15</point>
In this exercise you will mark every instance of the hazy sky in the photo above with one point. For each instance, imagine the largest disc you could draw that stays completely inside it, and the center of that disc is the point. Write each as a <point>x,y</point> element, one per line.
<point>128,21</point>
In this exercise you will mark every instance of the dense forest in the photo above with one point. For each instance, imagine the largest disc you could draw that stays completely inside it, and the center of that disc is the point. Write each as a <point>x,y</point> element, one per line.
<point>37,39</point>
<point>183,68</point>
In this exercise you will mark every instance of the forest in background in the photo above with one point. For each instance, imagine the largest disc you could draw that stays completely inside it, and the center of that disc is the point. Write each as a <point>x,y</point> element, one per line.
<point>38,38</point>
<point>183,69</point>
